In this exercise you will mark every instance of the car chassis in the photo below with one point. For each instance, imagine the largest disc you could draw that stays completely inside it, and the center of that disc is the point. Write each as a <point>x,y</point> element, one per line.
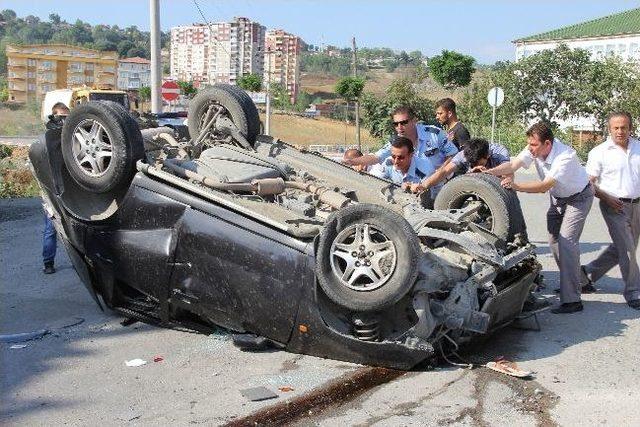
<point>252,234</point>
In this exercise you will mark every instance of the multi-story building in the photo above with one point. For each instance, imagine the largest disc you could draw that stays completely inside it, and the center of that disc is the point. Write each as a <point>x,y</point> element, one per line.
<point>33,70</point>
<point>617,34</point>
<point>217,53</point>
<point>283,60</point>
<point>134,73</point>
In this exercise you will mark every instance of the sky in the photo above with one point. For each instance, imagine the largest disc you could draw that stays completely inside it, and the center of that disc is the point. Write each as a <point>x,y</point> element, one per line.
<point>482,29</point>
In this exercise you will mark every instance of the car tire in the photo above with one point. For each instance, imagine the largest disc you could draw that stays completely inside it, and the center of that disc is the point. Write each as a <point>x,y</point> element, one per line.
<point>385,266</point>
<point>495,214</point>
<point>100,146</point>
<point>235,107</point>
<point>517,224</point>
<point>249,107</point>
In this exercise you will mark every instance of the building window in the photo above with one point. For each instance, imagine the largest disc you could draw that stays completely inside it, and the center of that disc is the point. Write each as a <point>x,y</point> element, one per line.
<point>31,86</point>
<point>31,62</point>
<point>88,66</point>
<point>31,74</point>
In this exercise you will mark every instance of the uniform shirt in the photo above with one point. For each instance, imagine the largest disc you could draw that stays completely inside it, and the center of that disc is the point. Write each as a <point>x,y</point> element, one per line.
<point>561,164</point>
<point>419,169</point>
<point>497,156</point>
<point>432,144</point>
<point>618,172</point>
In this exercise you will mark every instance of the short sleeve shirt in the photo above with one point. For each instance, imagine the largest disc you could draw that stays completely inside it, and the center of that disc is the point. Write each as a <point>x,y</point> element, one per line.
<point>497,156</point>
<point>563,165</point>
<point>458,134</point>
<point>419,169</point>
<point>617,170</point>
<point>432,144</point>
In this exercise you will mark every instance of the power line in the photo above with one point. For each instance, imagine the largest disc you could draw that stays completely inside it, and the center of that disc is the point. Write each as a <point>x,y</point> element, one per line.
<point>213,34</point>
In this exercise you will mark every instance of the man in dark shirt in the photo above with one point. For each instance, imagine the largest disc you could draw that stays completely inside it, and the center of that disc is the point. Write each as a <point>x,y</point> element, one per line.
<point>446,115</point>
<point>477,153</point>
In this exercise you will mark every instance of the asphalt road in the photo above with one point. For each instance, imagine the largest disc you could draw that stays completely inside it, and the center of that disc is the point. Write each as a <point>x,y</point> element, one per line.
<point>586,364</point>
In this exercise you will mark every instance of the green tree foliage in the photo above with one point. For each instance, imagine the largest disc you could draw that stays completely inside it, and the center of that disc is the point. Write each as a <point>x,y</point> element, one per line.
<point>325,64</point>
<point>251,82</point>
<point>280,97</point>
<point>302,101</point>
<point>144,93</point>
<point>186,88</point>
<point>350,88</point>
<point>376,110</point>
<point>452,69</point>
<point>549,85</point>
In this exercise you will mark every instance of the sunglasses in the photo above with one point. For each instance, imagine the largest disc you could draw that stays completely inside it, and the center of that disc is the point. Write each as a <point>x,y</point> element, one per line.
<point>398,157</point>
<point>401,122</point>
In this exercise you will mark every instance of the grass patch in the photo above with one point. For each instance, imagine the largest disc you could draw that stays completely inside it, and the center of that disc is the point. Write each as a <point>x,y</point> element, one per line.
<point>20,120</point>
<point>305,131</point>
<point>16,179</point>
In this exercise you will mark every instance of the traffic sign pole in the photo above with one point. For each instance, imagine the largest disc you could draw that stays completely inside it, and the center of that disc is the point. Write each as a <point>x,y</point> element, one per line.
<point>495,99</point>
<point>493,117</point>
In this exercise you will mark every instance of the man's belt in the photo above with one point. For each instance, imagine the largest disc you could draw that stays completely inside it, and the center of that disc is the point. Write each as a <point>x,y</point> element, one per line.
<point>627,200</point>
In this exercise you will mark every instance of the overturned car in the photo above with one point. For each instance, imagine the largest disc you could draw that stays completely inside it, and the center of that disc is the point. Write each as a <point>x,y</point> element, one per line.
<point>236,229</point>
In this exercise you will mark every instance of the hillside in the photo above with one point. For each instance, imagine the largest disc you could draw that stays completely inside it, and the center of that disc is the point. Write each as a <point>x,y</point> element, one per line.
<point>323,85</point>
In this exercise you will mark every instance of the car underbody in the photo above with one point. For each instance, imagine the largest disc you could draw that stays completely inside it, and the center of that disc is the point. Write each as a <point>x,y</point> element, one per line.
<point>247,232</point>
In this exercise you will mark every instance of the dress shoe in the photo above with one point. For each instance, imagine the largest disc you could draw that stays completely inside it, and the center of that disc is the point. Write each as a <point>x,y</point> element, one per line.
<point>634,303</point>
<point>588,289</point>
<point>567,307</point>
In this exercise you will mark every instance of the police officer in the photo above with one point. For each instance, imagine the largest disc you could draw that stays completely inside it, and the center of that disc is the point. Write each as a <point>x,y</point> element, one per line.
<point>571,196</point>
<point>428,141</point>
<point>614,169</point>
<point>403,166</point>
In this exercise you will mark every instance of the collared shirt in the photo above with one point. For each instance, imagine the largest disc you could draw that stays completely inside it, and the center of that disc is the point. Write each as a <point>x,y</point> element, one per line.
<point>498,155</point>
<point>617,170</point>
<point>419,169</point>
<point>561,164</point>
<point>432,144</point>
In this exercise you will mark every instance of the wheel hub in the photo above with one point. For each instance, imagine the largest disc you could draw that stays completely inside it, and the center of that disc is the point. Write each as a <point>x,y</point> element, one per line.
<point>362,257</point>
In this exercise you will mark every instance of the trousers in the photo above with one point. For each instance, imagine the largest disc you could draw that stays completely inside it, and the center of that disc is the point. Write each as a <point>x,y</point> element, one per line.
<point>49,240</point>
<point>565,222</point>
<point>624,229</point>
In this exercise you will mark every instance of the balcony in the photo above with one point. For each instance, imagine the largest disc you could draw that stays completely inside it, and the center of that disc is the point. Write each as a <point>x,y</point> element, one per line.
<point>16,63</point>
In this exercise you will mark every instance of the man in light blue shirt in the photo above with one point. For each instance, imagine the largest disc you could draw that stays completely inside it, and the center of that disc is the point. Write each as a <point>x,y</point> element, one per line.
<point>428,141</point>
<point>403,165</point>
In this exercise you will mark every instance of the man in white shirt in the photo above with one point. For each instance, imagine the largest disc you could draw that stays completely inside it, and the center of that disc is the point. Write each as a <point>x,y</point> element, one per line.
<point>571,196</point>
<point>614,169</point>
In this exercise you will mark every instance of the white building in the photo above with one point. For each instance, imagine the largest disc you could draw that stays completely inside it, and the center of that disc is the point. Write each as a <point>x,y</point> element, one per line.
<point>220,53</point>
<point>617,34</point>
<point>134,73</point>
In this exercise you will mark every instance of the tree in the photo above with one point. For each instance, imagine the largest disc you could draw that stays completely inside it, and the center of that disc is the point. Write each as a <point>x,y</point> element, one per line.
<point>144,93</point>
<point>251,82</point>
<point>350,88</point>
<point>187,89</point>
<point>54,18</point>
<point>549,85</point>
<point>302,101</point>
<point>280,96</point>
<point>452,69</point>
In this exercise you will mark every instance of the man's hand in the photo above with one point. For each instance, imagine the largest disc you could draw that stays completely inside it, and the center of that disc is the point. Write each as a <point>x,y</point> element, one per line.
<point>614,203</point>
<point>478,169</point>
<point>507,182</point>
<point>414,188</point>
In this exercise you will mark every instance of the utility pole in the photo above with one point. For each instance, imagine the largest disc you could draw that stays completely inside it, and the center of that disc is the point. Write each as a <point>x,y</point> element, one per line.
<point>357,102</point>
<point>156,66</point>
<point>267,126</point>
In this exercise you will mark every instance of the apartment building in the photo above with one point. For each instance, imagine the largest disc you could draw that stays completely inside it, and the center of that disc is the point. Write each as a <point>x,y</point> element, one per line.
<point>33,70</point>
<point>283,60</point>
<point>219,53</point>
<point>134,73</point>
